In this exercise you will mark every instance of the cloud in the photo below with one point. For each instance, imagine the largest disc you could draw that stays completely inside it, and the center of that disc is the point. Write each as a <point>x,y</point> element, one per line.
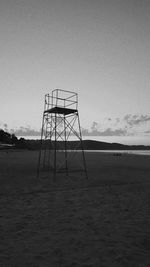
<point>25,131</point>
<point>119,126</point>
<point>117,120</point>
<point>85,132</point>
<point>107,132</point>
<point>28,131</point>
<point>4,126</point>
<point>130,124</point>
<point>116,132</point>
<point>133,120</point>
<point>94,128</point>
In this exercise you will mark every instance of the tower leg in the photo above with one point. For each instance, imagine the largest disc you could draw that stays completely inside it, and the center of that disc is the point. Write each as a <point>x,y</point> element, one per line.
<point>55,147</point>
<point>83,155</point>
<point>66,156</point>
<point>39,159</point>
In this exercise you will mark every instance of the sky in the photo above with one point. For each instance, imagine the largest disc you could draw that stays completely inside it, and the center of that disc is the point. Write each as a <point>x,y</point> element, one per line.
<point>97,48</point>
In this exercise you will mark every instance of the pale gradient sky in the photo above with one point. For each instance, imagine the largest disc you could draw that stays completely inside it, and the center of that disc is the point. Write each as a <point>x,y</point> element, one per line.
<point>98,48</point>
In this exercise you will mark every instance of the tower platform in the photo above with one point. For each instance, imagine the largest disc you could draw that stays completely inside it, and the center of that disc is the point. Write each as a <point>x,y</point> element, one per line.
<point>60,110</point>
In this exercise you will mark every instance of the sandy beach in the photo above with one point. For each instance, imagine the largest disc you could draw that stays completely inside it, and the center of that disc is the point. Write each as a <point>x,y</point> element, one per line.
<point>102,221</point>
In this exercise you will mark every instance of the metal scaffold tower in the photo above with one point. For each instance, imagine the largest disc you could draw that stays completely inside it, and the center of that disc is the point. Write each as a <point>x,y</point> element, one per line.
<point>61,149</point>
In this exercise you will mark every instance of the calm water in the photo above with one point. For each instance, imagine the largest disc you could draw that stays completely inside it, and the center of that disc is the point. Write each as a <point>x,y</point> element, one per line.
<point>133,152</point>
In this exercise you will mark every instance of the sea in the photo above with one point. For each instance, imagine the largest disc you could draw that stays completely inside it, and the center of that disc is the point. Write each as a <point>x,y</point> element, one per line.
<point>120,152</point>
<point>126,140</point>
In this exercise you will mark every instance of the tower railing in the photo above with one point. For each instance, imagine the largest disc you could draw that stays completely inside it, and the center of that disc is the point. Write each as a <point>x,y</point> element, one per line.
<point>56,99</point>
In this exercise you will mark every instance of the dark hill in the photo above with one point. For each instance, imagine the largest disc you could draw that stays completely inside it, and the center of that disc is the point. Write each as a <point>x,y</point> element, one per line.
<point>88,145</point>
<point>97,145</point>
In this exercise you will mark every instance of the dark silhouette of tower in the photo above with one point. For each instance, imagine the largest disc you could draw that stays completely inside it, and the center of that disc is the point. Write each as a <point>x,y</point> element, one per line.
<point>61,139</point>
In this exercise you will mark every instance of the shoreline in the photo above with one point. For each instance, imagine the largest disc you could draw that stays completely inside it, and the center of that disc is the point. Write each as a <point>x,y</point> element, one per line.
<point>103,152</point>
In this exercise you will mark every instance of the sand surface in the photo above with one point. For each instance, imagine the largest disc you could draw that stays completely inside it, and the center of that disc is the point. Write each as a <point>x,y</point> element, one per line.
<point>102,221</point>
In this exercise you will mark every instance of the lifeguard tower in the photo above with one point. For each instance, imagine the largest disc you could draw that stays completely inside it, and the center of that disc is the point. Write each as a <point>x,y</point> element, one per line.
<point>61,149</point>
